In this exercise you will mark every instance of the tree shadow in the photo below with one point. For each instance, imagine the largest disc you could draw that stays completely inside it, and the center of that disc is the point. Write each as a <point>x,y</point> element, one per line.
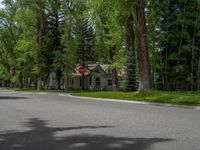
<point>12,97</point>
<point>41,137</point>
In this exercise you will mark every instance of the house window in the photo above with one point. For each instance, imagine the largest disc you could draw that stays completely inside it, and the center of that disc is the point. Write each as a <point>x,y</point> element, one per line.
<point>90,82</point>
<point>109,82</point>
<point>98,82</point>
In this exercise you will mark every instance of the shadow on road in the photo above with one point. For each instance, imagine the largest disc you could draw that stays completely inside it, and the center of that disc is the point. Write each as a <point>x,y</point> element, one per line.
<point>41,137</point>
<point>11,98</point>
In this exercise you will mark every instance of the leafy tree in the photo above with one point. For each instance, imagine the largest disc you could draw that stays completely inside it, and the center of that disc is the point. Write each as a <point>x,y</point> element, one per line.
<point>9,36</point>
<point>176,52</point>
<point>109,36</point>
<point>41,36</point>
<point>55,22</point>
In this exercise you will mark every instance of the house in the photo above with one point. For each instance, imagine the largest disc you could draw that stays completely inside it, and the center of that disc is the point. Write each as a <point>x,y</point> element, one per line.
<point>96,77</point>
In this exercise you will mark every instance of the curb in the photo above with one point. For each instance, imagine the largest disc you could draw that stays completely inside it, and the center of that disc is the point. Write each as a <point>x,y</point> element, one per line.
<point>134,102</point>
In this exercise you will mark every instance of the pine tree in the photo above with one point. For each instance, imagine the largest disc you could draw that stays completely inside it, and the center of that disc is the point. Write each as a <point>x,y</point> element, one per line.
<point>85,34</point>
<point>55,22</point>
<point>130,82</point>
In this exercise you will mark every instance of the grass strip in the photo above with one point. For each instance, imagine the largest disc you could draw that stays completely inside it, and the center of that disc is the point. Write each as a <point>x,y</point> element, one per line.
<point>178,98</point>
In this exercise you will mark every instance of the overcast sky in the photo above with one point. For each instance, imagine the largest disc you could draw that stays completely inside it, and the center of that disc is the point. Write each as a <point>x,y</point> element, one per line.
<point>1,4</point>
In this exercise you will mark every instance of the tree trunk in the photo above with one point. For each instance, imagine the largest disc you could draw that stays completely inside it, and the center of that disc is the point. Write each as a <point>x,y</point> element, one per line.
<point>143,54</point>
<point>193,51</point>
<point>198,76</point>
<point>130,39</point>
<point>130,35</point>
<point>40,40</point>
<point>21,82</point>
<point>66,82</point>
<point>161,72</point>
<point>57,41</point>
<point>39,83</point>
<point>115,80</point>
<point>59,76</point>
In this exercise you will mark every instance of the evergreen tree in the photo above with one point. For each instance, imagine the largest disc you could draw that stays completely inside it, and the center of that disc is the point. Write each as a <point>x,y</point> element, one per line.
<point>55,23</point>
<point>130,82</point>
<point>39,36</point>
<point>85,35</point>
<point>176,52</point>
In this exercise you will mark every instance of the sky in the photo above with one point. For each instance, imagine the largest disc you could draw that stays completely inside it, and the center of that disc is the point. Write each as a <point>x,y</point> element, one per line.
<point>1,6</point>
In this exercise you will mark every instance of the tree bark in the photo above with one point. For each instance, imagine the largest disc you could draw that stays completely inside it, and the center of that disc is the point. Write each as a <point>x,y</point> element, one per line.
<point>39,83</point>
<point>59,76</point>
<point>198,76</point>
<point>66,82</point>
<point>193,51</point>
<point>143,54</point>
<point>130,39</point>
<point>115,80</point>
<point>40,40</point>
<point>130,35</point>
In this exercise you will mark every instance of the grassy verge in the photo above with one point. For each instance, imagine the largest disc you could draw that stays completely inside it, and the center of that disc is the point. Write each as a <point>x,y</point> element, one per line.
<point>179,98</point>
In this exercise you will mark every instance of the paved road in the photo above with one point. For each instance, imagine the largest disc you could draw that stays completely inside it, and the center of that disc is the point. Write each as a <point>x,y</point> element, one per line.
<point>33,121</point>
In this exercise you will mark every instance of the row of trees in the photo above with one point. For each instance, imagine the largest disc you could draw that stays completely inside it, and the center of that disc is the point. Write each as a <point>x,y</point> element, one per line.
<point>41,36</point>
<point>38,37</point>
<point>174,34</point>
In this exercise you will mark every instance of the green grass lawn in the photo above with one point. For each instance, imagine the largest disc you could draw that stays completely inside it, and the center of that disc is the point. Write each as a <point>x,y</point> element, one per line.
<point>180,98</point>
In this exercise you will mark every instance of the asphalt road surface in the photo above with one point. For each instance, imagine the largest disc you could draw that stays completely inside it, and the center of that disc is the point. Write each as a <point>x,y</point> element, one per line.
<point>41,121</point>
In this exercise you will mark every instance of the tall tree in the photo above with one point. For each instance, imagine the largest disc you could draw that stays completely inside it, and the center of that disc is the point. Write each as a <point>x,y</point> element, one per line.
<point>174,25</point>
<point>85,35</point>
<point>143,54</point>
<point>109,32</point>
<point>55,22</point>
<point>37,8</point>
<point>9,35</point>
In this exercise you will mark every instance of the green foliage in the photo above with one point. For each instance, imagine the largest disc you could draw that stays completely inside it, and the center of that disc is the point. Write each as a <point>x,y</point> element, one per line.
<point>173,39</point>
<point>69,54</point>
<point>109,32</point>
<point>130,82</point>
<point>178,98</point>
<point>84,33</point>
<point>41,36</point>
<point>4,74</point>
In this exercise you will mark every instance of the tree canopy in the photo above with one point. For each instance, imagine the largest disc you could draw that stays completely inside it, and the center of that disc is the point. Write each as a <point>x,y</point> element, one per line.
<point>156,41</point>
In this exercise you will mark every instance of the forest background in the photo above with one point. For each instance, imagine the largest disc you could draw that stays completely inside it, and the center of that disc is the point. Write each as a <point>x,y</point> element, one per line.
<point>157,40</point>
